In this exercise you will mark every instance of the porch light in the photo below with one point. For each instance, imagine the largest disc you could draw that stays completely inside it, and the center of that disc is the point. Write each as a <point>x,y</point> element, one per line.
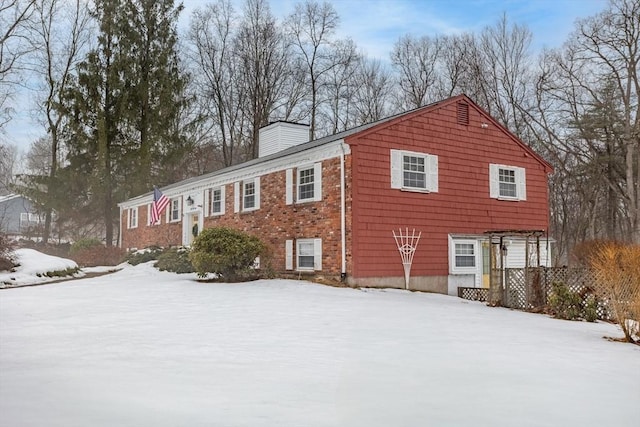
<point>504,250</point>
<point>189,201</point>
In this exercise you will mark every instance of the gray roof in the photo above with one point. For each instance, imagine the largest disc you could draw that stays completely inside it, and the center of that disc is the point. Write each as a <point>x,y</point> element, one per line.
<point>291,150</point>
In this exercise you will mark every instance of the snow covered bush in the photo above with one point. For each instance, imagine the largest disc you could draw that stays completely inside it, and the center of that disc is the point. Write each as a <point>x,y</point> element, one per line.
<point>226,252</point>
<point>7,261</point>
<point>175,260</point>
<point>151,253</point>
<point>618,269</point>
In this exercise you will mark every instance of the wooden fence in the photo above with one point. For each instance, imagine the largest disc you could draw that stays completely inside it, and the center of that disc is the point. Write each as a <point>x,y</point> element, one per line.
<point>529,289</point>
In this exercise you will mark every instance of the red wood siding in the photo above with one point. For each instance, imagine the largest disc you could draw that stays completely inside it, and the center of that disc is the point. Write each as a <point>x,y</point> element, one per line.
<point>462,204</point>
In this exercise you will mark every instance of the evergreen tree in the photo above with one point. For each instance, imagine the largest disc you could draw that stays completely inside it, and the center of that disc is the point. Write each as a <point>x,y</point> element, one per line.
<point>123,131</point>
<point>154,94</point>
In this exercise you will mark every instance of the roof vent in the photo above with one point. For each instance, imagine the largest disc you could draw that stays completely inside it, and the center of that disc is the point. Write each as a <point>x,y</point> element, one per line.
<point>463,113</point>
<point>279,136</point>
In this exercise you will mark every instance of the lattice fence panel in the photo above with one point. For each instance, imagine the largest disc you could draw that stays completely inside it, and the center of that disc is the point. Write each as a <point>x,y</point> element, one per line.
<point>515,292</point>
<point>531,289</point>
<point>474,294</point>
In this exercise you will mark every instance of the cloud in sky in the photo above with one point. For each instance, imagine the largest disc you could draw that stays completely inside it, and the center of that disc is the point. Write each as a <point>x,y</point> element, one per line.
<point>375,25</point>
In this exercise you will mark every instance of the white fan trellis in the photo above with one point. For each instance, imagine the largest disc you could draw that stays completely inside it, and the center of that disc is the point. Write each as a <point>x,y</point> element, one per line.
<point>407,244</point>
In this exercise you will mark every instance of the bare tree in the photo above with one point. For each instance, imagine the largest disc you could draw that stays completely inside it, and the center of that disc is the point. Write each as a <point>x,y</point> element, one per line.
<point>8,163</point>
<point>216,70</point>
<point>38,157</point>
<point>414,60</point>
<point>339,89</point>
<point>504,73</point>
<point>454,66</point>
<point>313,27</point>
<point>586,114</point>
<point>373,87</point>
<point>62,30</point>
<point>263,56</point>
<point>14,37</point>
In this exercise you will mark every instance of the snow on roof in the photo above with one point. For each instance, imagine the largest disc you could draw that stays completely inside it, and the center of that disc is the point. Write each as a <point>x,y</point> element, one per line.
<point>9,197</point>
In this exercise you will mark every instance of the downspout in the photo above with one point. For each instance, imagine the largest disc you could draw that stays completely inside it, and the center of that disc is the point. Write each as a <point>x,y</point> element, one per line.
<point>120,229</point>
<point>343,226</point>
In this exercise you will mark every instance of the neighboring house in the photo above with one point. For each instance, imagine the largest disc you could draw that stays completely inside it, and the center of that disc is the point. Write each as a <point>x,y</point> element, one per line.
<point>18,216</point>
<point>330,206</point>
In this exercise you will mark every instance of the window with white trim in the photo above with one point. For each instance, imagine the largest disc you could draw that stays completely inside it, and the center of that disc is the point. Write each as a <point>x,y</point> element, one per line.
<point>133,218</point>
<point>304,251</point>
<point>246,195</point>
<point>463,256</point>
<point>304,184</point>
<point>217,201</point>
<point>411,171</point>
<point>308,254</point>
<point>29,217</point>
<point>507,182</point>
<point>175,207</point>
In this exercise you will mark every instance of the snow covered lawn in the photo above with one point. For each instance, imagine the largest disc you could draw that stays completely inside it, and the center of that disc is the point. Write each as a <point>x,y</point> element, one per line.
<point>33,268</point>
<point>146,348</point>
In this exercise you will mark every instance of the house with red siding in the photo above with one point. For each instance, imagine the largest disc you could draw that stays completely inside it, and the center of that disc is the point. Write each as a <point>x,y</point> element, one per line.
<point>330,206</point>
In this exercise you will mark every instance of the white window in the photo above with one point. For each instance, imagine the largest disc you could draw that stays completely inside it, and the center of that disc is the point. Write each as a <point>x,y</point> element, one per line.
<point>247,195</point>
<point>507,182</point>
<point>308,254</point>
<point>175,207</point>
<point>305,254</point>
<point>307,186</point>
<point>133,218</point>
<point>412,171</point>
<point>217,201</point>
<point>463,257</point>
<point>28,217</point>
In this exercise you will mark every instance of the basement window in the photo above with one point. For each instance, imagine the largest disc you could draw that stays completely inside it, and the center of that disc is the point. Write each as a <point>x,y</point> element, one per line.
<point>463,256</point>
<point>308,254</point>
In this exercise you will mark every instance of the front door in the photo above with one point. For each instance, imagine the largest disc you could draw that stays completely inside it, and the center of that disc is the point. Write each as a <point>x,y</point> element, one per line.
<point>193,228</point>
<point>486,253</point>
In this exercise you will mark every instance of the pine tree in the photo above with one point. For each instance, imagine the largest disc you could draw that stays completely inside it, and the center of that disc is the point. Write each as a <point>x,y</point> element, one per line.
<point>124,133</point>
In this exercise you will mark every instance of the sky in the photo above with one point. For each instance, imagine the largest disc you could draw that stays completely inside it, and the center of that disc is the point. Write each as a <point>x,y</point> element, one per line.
<point>375,25</point>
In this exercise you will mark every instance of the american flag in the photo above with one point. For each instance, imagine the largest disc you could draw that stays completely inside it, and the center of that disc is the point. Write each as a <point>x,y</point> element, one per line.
<point>160,201</point>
